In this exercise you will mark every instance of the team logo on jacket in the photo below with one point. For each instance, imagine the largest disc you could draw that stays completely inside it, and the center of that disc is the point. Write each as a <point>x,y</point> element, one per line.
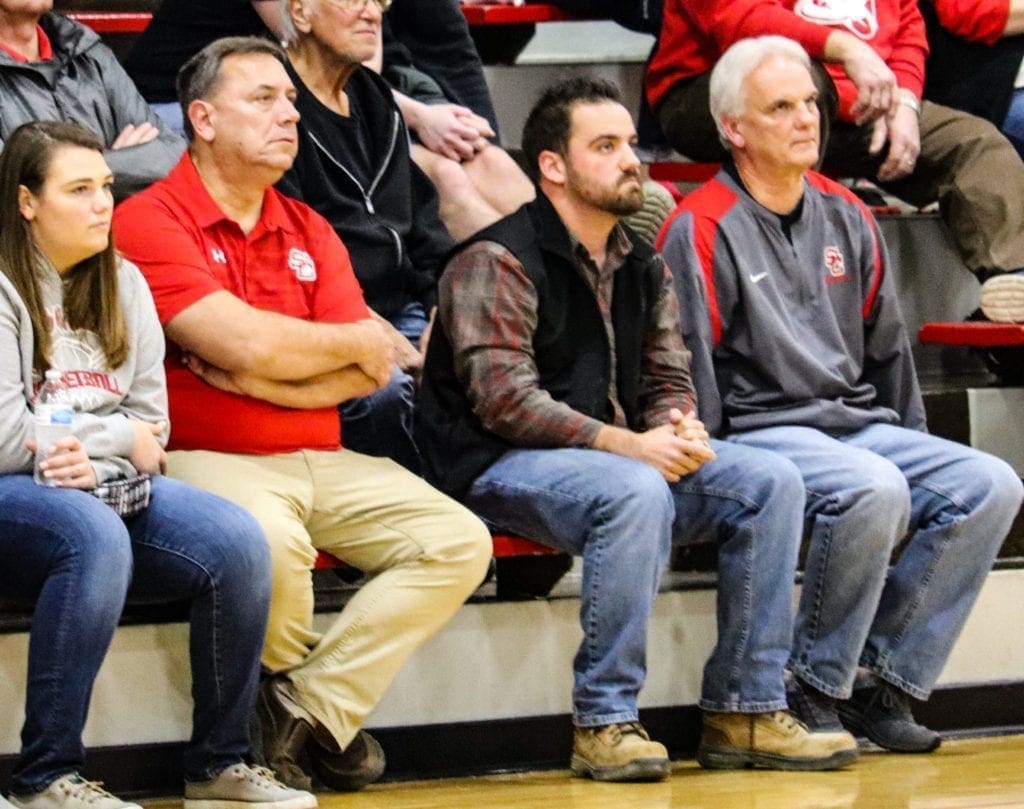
<point>860,17</point>
<point>301,263</point>
<point>835,266</point>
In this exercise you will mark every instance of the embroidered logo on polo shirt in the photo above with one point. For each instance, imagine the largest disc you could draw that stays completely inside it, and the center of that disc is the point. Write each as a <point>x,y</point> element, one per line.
<point>218,256</point>
<point>301,263</point>
<point>860,17</point>
<point>835,265</point>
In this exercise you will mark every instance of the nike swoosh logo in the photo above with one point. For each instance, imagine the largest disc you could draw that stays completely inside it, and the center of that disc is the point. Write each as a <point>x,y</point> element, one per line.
<point>760,276</point>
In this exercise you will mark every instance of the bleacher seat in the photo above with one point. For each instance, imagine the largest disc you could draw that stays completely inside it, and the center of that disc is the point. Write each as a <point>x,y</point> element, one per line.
<point>113,22</point>
<point>973,334</point>
<point>528,13</point>
<point>135,22</point>
<point>505,545</point>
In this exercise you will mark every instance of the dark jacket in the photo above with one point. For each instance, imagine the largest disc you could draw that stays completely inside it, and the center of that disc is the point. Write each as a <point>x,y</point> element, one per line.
<point>970,76</point>
<point>391,226</point>
<point>428,42</point>
<point>570,346</point>
<point>85,84</point>
<point>179,30</point>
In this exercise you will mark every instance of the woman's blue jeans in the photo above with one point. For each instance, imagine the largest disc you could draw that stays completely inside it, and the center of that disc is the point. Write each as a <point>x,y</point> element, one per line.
<point>73,557</point>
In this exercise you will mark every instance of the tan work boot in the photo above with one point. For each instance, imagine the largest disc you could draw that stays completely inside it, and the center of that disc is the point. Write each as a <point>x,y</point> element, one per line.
<point>620,752</point>
<point>776,741</point>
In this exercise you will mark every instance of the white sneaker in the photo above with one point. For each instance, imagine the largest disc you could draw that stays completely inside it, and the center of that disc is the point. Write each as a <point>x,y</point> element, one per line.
<point>1002,298</point>
<point>243,787</point>
<point>71,792</point>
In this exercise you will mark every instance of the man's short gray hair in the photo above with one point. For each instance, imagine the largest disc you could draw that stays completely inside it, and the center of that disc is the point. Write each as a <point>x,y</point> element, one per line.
<point>739,61</point>
<point>199,76</point>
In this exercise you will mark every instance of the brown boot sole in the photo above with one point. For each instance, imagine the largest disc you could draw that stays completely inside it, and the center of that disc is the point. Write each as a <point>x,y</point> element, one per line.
<point>733,758</point>
<point>639,769</point>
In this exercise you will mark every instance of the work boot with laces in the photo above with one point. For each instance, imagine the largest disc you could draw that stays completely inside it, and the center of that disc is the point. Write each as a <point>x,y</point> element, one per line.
<point>774,741</point>
<point>882,713</point>
<point>814,708</point>
<point>618,752</point>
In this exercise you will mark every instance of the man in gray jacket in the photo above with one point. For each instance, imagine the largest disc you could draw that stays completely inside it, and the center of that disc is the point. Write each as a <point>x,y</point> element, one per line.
<point>798,346</point>
<point>52,68</point>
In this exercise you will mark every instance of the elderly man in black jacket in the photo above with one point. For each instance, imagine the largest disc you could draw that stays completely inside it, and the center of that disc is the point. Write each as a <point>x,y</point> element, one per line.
<point>354,168</point>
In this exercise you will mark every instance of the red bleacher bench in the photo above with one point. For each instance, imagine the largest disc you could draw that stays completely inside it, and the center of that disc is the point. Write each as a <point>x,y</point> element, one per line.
<point>678,171</point>
<point>135,22</point>
<point>113,22</point>
<point>494,14</point>
<point>505,546</point>
<point>973,334</point>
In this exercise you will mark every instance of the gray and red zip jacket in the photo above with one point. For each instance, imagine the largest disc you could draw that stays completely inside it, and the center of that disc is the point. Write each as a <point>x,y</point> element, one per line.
<point>804,330</point>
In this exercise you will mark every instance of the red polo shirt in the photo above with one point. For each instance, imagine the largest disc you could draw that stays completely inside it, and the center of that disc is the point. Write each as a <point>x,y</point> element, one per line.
<point>45,48</point>
<point>291,262</point>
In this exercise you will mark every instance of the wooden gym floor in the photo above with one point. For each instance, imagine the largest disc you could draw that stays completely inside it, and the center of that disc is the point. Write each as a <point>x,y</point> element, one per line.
<point>978,773</point>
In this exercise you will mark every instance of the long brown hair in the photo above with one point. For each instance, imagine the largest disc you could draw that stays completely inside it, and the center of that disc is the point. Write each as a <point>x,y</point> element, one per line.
<point>91,298</point>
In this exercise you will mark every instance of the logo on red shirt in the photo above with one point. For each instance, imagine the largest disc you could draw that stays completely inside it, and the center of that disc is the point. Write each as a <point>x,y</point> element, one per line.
<point>835,265</point>
<point>218,256</point>
<point>860,17</point>
<point>301,263</point>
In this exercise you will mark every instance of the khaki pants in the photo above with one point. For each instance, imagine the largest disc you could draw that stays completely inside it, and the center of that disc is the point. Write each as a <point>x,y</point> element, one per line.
<point>426,554</point>
<point>969,167</point>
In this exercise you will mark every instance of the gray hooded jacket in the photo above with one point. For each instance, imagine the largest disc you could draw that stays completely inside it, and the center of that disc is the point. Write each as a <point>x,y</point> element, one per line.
<point>84,83</point>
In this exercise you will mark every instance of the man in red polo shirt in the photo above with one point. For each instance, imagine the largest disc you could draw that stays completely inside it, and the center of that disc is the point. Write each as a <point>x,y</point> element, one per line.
<point>268,332</point>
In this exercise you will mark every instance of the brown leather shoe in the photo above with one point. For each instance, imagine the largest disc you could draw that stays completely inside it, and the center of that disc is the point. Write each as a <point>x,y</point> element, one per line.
<point>284,734</point>
<point>620,752</point>
<point>348,770</point>
<point>775,741</point>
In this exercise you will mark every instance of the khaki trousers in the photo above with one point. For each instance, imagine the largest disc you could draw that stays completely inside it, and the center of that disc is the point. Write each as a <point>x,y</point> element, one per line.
<point>969,167</point>
<point>425,553</point>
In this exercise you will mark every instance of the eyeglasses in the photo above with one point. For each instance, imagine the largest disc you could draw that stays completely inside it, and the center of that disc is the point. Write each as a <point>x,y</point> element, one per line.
<point>359,5</point>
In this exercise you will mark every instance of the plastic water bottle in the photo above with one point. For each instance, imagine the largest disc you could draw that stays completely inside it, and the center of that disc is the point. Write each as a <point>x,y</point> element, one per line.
<point>55,415</point>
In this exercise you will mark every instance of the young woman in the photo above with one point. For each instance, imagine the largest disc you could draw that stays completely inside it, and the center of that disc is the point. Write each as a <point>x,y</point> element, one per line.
<point>68,302</point>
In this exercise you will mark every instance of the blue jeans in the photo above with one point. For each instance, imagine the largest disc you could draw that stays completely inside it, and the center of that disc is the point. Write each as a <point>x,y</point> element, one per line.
<point>411,322</point>
<point>73,557</point>
<point>864,491</point>
<point>622,517</point>
<point>381,424</point>
<point>1013,124</point>
<point>171,114</point>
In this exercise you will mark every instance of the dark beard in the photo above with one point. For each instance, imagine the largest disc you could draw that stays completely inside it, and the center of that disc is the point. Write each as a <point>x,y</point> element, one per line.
<point>626,204</point>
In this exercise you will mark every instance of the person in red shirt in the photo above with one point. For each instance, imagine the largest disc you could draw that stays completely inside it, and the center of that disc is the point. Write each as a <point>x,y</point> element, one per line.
<point>873,55</point>
<point>976,48</point>
<point>267,333</point>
